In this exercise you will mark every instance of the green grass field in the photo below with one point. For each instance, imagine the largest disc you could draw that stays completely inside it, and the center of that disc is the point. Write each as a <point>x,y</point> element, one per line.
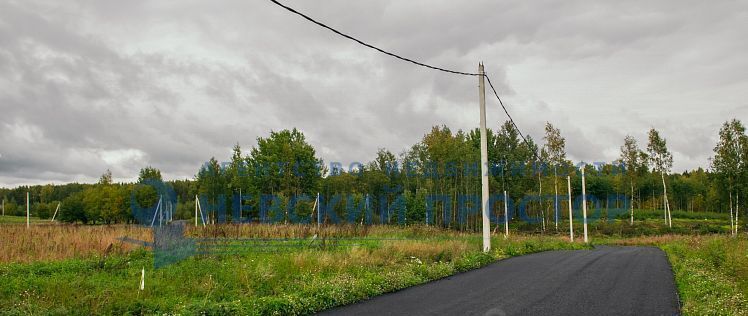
<point>712,274</point>
<point>8,219</point>
<point>711,269</point>
<point>291,282</point>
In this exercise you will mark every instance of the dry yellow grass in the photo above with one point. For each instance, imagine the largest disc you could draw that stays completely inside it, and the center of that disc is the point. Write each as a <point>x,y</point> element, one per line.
<point>45,242</point>
<point>277,231</point>
<point>306,231</point>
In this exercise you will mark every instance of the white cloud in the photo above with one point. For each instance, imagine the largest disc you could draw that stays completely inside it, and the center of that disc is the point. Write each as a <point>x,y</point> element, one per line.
<point>91,85</point>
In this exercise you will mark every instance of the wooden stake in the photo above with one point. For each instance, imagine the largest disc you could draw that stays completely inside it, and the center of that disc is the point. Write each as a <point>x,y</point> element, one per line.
<point>142,279</point>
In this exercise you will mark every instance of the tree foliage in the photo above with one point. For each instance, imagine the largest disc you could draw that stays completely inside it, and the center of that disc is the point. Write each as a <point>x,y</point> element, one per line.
<point>444,162</point>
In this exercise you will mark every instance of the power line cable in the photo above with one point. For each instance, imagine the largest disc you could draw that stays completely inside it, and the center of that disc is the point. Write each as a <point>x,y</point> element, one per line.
<point>413,62</point>
<point>510,118</point>
<point>372,46</point>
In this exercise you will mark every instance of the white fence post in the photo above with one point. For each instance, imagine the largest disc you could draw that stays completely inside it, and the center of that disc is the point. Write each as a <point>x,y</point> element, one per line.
<point>571,210</point>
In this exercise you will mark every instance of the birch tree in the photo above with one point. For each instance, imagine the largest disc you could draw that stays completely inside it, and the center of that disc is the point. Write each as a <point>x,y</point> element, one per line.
<point>729,163</point>
<point>661,160</point>
<point>516,155</point>
<point>555,151</point>
<point>633,159</point>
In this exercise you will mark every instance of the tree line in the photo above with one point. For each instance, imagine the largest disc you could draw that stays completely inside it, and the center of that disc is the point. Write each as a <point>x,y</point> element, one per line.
<point>396,187</point>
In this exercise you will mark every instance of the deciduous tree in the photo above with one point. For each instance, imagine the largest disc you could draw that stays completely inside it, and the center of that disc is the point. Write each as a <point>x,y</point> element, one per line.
<point>729,163</point>
<point>633,160</point>
<point>661,161</point>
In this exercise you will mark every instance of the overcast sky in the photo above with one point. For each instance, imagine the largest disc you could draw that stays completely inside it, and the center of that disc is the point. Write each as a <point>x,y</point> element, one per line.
<point>92,85</point>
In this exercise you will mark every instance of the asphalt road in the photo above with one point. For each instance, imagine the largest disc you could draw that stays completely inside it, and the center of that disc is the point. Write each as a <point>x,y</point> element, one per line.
<point>603,281</point>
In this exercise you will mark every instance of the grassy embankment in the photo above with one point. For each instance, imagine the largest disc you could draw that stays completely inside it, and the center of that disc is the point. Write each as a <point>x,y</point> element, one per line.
<point>293,281</point>
<point>63,269</point>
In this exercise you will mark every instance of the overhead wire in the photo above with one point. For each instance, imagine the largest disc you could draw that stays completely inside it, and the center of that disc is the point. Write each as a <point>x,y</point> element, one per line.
<point>308,18</point>
<point>529,146</point>
<point>372,46</point>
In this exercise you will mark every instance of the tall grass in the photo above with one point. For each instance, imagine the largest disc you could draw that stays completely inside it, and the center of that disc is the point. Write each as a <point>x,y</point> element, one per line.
<point>330,231</point>
<point>711,273</point>
<point>47,241</point>
<point>44,242</point>
<point>284,283</point>
<point>81,264</point>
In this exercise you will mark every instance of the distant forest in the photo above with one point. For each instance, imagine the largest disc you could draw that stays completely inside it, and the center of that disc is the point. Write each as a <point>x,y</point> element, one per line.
<point>444,163</point>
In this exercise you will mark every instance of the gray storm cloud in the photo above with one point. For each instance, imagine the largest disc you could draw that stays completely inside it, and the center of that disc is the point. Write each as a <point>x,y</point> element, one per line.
<point>87,86</point>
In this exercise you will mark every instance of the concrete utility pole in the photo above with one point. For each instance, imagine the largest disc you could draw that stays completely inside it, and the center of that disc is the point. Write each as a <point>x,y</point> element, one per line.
<point>555,201</point>
<point>366,210</point>
<point>668,217</point>
<point>571,211</point>
<point>506,216</point>
<point>28,214</point>
<point>3,206</point>
<point>160,211</point>
<point>632,204</point>
<point>732,219</point>
<point>156,213</point>
<point>319,214</point>
<point>56,210</point>
<point>199,207</point>
<point>484,159</point>
<point>584,205</point>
